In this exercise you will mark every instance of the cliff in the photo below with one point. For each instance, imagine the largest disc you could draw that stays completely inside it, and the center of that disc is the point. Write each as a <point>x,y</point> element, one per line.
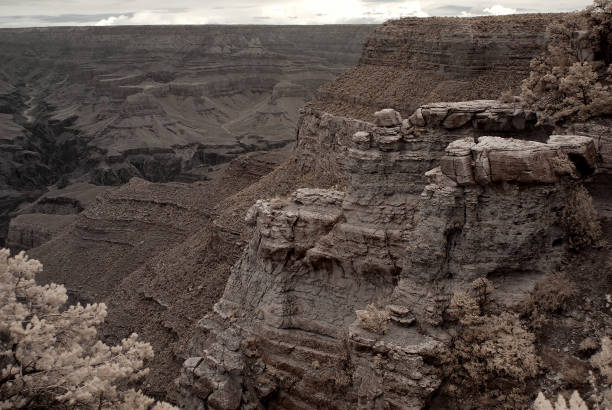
<point>397,214</point>
<point>409,62</point>
<point>285,334</point>
<point>163,103</point>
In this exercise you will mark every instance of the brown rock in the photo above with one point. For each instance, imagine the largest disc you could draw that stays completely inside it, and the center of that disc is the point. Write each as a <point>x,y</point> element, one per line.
<point>581,150</point>
<point>504,160</point>
<point>388,118</point>
<point>226,397</point>
<point>457,120</point>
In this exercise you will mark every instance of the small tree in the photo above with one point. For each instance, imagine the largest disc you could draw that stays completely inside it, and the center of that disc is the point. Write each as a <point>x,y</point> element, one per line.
<point>492,356</point>
<point>50,357</point>
<point>573,79</point>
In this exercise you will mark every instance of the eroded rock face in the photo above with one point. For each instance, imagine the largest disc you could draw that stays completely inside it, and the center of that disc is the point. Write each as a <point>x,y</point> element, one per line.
<point>412,61</point>
<point>285,334</point>
<point>28,231</point>
<point>416,144</point>
<point>105,104</point>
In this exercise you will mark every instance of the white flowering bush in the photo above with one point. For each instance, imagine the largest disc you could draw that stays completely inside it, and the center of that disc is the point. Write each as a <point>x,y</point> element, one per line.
<point>50,356</point>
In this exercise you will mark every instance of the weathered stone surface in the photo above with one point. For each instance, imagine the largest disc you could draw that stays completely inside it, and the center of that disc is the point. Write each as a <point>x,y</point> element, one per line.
<point>499,159</point>
<point>485,115</point>
<point>417,118</point>
<point>601,133</point>
<point>320,255</point>
<point>388,118</point>
<point>457,164</point>
<point>362,139</point>
<point>28,231</point>
<point>408,62</point>
<point>457,120</point>
<point>581,150</point>
<point>163,103</point>
<point>226,397</point>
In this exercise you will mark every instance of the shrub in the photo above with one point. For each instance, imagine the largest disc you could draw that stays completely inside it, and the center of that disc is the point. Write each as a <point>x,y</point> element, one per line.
<point>550,295</point>
<point>603,359</point>
<point>488,349</point>
<point>373,320</point>
<point>579,218</point>
<point>572,80</point>
<point>50,356</point>
<point>575,403</point>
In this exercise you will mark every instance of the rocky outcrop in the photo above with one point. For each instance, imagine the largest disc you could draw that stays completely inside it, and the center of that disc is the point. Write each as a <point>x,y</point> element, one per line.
<point>411,61</point>
<point>37,222</point>
<point>28,231</point>
<point>324,140</point>
<point>600,130</point>
<point>285,333</point>
<point>151,252</point>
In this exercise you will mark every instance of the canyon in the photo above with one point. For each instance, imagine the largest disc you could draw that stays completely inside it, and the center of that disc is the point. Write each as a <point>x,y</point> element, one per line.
<point>247,253</point>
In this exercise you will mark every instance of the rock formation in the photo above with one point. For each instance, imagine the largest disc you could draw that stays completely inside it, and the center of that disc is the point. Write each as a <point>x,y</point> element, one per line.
<point>411,61</point>
<point>285,333</point>
<point>102,105</point>
<point>389,218</point>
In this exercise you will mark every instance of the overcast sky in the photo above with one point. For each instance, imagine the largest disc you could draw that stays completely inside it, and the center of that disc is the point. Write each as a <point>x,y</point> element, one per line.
<point>25,13</point>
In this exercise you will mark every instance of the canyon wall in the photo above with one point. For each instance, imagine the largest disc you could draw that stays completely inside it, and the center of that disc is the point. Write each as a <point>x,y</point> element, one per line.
<point>102,105</point>
<point>408,62</point>
<point>285,333</point>
<point>349,203</point>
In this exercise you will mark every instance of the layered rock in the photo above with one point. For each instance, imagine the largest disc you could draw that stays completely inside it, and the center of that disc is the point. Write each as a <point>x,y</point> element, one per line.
<point>32,230</point>
<point>105,104</point>
<point>285,333</point>
<point>193,95</point>
<point>418,142</point>
<point>411,61</point>
<point>37,222</point>
<point>150,251</point>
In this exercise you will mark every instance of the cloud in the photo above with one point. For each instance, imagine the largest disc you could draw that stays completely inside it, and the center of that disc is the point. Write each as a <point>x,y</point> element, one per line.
<point>154,17</point>
<point>24,13</point>
<point>499,10</point>
<point>451,10</point>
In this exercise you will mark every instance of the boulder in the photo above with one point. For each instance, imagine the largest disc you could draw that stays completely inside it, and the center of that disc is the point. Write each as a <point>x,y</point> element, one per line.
<point>499,159</point>
<point>457,120</point>
<point>580,150</point>
<point>388,117</point>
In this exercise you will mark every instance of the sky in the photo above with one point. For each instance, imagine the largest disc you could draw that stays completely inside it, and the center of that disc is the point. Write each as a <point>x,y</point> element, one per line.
<point>28,13</point>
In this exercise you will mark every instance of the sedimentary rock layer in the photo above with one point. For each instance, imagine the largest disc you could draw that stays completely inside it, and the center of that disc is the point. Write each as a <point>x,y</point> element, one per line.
<point>411,61</point>
<point>105,104</point>
<point>285,333</point>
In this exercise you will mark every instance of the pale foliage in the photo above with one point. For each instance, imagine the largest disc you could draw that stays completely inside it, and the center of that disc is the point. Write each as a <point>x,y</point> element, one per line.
<point>566,83</point>
<point>601,361</point>
<point>492,345</point>
<point>373,320</point>
<point>575,403</point>
<point>50,357</point>
<point>492,355</point>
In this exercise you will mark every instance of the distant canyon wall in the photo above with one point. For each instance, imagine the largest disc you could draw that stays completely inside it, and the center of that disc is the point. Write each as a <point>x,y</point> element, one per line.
<point>412,61</point>
<point>165,103</point>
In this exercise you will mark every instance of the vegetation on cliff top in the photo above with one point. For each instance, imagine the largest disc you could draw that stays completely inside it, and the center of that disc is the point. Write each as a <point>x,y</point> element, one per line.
<point>573,79</point>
